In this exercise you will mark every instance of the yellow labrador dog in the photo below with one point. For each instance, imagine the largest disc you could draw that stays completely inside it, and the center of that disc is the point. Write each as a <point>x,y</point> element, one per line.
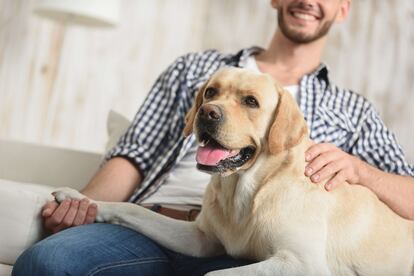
<point>259,205</point>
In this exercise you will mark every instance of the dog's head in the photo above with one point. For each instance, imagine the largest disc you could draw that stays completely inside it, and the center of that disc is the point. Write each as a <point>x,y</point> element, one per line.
<point>238,114</point>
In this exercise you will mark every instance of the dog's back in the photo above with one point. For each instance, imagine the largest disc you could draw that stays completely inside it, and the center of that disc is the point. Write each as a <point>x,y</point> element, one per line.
<point>368,236</point>
<point>363,235</point>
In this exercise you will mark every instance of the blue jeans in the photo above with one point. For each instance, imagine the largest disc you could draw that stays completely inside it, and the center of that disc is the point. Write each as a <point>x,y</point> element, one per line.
<point>106,249</point>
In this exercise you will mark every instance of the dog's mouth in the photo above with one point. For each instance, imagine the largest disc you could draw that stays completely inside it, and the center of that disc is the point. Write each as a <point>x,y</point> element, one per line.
<point>214,157</point>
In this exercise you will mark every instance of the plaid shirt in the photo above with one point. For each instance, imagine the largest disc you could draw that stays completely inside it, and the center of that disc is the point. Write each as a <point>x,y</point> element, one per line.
<point>154,142</point>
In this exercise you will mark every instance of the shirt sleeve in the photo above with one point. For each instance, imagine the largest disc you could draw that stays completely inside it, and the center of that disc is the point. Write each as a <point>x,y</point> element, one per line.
<point>378,146</point>
<point>148,135</point>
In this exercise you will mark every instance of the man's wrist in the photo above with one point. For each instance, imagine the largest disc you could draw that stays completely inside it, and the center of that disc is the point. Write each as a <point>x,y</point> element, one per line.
<point>368,175</point>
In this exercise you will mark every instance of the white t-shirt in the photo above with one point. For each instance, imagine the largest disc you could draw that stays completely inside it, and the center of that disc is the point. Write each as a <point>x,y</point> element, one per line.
<point>252,65</point>
<point>184,184</point>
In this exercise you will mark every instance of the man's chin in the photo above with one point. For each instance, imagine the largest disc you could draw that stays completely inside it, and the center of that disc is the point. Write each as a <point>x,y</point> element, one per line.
<point>299,35</point>
<point>303,34</point>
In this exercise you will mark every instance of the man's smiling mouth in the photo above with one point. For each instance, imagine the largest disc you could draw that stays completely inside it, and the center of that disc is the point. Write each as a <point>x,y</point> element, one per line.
<point>304,16</point>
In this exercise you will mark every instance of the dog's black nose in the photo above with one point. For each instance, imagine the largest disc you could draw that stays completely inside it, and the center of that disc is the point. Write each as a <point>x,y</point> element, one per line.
<point>210,112</point>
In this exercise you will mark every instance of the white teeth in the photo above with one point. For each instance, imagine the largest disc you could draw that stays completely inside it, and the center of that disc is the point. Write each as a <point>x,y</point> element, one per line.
<point>203,143</point>
<point>304,16</point>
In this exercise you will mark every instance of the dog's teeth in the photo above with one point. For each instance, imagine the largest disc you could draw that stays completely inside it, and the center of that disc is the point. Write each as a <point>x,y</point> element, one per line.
<point>203,143</point>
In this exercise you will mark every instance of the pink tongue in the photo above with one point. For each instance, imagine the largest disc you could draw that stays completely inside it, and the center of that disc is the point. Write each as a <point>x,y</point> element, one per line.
<point>211,156</point>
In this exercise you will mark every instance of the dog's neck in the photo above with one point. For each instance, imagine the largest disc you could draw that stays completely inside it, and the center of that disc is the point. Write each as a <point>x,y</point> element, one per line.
<point>290,162</point>
<point>237,191</point>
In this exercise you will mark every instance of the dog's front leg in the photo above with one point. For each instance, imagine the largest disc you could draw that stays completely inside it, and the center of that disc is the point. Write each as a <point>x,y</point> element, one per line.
<point>180,236</point>
<point>283,263</point>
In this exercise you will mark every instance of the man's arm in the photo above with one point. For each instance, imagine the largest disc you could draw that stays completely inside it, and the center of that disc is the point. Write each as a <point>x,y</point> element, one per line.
<point>115,181</point>
<point>327,162</point>
<point>394,190</point>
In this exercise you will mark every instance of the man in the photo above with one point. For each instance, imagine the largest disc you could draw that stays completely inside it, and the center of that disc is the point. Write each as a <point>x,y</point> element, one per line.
<point>153,163</point>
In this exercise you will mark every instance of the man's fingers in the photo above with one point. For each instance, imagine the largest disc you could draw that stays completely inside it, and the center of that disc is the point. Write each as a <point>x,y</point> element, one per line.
<point>60,212</point>
<point>67,220</point>
<point>319,162</point>
<point>316,149</point>
<point>326,172</point>
<point>58,228</point>
<point>91,213</point>
<point>71,214</point>
<point>338,179</point>
<point>58,215</point>
<point>68,213</point>
<point>49,208</point>
<point>82,211</point>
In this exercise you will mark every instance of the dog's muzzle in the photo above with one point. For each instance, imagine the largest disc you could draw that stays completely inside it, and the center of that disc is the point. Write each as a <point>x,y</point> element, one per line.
<point>209,113</point>
<point>211,155</point>
<point>209,119</point>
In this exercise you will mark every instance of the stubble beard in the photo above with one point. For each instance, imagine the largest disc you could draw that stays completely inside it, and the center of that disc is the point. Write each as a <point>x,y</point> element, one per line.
<point>299,37</point>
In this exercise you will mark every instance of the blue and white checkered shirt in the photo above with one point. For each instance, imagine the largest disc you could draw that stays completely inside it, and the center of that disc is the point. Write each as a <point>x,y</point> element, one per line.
<point>154,142</point>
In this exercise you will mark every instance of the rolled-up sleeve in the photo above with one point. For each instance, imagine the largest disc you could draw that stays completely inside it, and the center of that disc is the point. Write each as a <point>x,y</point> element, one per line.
<point>148,135</point>
<point>377,145</point>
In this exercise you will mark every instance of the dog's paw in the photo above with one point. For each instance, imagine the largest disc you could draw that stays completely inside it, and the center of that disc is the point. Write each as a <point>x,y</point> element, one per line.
<point>106,213</point>
<point>67,193</point>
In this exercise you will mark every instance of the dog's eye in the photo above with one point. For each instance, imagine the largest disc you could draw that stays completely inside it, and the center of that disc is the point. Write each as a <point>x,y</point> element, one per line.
<point>210,92</point>
<point>251,101</point>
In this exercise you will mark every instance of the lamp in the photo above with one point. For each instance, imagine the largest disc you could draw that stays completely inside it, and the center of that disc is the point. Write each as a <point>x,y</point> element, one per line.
<point>97,13</point>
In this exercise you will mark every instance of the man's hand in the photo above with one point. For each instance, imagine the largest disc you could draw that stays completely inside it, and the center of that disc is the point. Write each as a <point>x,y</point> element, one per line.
<point>326,161</point>
<point>74,212</point>
<point>67,214</point>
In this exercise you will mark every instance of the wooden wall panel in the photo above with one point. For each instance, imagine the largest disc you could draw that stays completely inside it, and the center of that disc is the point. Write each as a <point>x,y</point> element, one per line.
<point>57,82</point>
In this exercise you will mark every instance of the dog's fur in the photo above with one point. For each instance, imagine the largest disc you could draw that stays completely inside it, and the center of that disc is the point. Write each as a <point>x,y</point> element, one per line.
<point>267,210</point>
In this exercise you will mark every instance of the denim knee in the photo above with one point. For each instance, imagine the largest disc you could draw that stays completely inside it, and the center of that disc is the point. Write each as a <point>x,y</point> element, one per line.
<point>45,258</point>
<point>95,249</point>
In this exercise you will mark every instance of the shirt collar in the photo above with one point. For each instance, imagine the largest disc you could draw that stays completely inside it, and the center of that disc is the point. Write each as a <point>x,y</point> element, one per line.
<point>238,60</point>
<point>322,73</point>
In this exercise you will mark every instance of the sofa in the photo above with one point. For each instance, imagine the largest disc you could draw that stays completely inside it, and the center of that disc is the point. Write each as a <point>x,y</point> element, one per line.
<point>28,175</point>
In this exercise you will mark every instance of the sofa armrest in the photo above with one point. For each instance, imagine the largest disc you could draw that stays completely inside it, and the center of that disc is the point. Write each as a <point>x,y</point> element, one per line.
<point>20,219</point>
<point>28,175</point>
<point>25,162</point>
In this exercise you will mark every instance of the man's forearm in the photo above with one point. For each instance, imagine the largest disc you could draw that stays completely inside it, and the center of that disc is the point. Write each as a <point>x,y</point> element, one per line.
<point>115,181</point>
<point>396,191</point>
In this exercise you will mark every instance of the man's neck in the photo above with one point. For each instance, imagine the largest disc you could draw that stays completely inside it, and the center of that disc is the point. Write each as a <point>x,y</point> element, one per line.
<point>288,62</point>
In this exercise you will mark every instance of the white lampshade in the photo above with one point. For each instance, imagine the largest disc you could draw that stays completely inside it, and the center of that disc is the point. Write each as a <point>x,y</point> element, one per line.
<point>100,13</point>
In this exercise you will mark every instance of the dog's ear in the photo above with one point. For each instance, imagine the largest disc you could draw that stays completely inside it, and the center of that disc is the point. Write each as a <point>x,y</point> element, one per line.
<point>189,118</point>
<point>289,127</point>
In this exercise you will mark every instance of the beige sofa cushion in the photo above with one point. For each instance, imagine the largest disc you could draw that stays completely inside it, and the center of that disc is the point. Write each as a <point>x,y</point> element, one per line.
<point>53,166</point>
<point>5,270</point>
<point>21,201</point>
<point>20,224</point>
<point>116,125</point>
